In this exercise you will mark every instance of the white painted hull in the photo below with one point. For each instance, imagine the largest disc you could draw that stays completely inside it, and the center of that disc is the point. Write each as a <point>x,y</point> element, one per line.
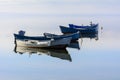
<point>32,43</point>
<point>44,44</point>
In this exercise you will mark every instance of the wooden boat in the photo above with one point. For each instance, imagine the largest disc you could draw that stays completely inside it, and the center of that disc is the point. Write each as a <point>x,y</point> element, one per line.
<point>91,26</point>
<point>61,54</point>
<point>41,41</point>
<point>75,36</point>
<point>67,30</point>
<point>51,43</point>
<point>82,29</point>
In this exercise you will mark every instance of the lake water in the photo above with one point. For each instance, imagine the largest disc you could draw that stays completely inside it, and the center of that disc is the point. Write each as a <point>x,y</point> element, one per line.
<point>95,60</point>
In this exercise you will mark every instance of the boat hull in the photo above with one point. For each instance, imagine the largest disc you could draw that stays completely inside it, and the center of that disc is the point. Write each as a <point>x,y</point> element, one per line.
<point>21,37</point>
<point>91,26</point>
<point>67,30</point>
<point>74,36</point>
<point>61,43</point>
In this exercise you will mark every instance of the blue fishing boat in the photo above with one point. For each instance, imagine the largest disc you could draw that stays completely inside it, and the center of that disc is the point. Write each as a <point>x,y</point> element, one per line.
<point>67,30</point>
<point>91,26</point>
<point>75,36</point>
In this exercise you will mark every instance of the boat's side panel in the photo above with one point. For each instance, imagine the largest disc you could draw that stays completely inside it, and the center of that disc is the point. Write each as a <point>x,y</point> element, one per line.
<point>41,38</point>
<point>76,26</point>
<point>66,30</point>
<point>32,43</point>
<point>91,26</point>
<point>64,41</point>
<point>60,43</point>
<point>75,36</point>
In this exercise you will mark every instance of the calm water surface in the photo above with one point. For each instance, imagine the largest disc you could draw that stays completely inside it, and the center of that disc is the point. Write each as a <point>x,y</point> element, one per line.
<point>95,60</point>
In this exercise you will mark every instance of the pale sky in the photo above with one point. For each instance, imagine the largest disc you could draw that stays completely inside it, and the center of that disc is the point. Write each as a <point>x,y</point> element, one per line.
<point>66,7</point>
<point>39,10</point>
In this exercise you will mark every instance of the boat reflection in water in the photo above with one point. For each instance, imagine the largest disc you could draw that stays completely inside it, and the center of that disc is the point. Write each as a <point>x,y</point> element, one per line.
<point>91,36</point>
<point>62,53</point>
<point>74,44</point>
